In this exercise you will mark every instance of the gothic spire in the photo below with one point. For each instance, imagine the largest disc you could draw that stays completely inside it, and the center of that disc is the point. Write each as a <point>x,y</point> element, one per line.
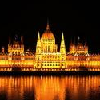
<point>62,46</point>
<point>22,39</point>
<point>78,38</point>
<point>38,35</point>
<point>62,36</point>
<point>48,26</point>
<point>38,47</point>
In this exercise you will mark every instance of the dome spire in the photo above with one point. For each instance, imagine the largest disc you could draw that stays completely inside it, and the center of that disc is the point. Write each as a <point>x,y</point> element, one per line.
<point>48,26</point>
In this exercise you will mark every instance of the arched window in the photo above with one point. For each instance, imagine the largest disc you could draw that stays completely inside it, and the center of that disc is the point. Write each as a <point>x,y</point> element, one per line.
<point>48,48</point>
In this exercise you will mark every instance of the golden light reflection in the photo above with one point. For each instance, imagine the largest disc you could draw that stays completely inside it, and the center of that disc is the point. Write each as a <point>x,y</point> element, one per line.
<point>49,87</point>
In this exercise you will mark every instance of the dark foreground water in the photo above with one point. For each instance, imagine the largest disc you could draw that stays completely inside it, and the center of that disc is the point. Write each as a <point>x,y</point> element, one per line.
<point>73,87</point>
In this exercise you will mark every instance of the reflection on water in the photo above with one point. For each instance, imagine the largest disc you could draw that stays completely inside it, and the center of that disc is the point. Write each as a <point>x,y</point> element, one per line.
<point>71,87</point>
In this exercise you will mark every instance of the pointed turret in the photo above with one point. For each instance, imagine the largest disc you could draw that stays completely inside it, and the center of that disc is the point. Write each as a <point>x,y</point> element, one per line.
<point>38,47</point>
<point>63,52</point>
<point>72,46</point>
<point>22,45</point>
<point>86,48</point>
<point>78,40</point>
<point>38,36</point>
<point>38,52</point>
<point>62,46</point>
<point>22,39</point>
<point>9,44</point>
<point>62,36</point>
<point>3,49</point>
<point>16,37</point>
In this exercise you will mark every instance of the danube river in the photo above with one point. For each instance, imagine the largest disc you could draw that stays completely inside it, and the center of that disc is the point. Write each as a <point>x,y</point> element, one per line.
<point>50,87</point>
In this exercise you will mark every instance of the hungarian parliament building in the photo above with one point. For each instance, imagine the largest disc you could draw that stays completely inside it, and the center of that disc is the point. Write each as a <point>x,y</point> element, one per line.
<point>47,56</point>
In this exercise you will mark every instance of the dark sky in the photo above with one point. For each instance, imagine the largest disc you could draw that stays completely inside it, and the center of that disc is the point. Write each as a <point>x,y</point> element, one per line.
<point>73,18</point>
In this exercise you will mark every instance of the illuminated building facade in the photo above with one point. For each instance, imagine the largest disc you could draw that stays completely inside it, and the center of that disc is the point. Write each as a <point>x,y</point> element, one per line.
<point>16,57</point>
<point>47,56</point>
<point>78,48</point>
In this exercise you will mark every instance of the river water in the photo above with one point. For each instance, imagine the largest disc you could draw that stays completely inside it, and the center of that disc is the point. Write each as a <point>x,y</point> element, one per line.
<point>50,87</point>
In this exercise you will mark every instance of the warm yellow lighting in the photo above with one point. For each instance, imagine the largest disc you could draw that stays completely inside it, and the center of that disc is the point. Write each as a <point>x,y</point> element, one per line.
<point>47,56</point>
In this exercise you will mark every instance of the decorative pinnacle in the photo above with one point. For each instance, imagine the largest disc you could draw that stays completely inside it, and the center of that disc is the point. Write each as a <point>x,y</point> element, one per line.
<point>78,38</point>
<point>62,36</point>
<point>47,27</point>
<point>21,39</point>
<point>38,35</point>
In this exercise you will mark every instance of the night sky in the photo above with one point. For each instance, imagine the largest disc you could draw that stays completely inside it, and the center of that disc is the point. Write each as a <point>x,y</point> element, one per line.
<point>72,18</point>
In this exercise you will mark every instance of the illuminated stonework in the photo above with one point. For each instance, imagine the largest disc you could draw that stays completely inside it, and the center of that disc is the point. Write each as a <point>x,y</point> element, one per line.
<point>47,56</point>
<point>16,58</point>
<point>79,48</point>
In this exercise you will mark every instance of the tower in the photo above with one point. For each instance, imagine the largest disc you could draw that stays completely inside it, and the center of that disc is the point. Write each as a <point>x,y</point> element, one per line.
<point>72,47</point>
<point>86,48</point>
<point>17,47</point>
<point>62,46</point>
<point>22,44</point>
<point>38,52</point>
<point>38,47</point>
<point>3,49</point>
<point>63,53</point>
<point>21,39</point>
<point>47,55</point>
<point>48,40</point>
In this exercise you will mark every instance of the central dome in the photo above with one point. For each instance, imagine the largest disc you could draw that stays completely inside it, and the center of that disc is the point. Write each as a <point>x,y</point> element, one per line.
<point>47,34</point>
